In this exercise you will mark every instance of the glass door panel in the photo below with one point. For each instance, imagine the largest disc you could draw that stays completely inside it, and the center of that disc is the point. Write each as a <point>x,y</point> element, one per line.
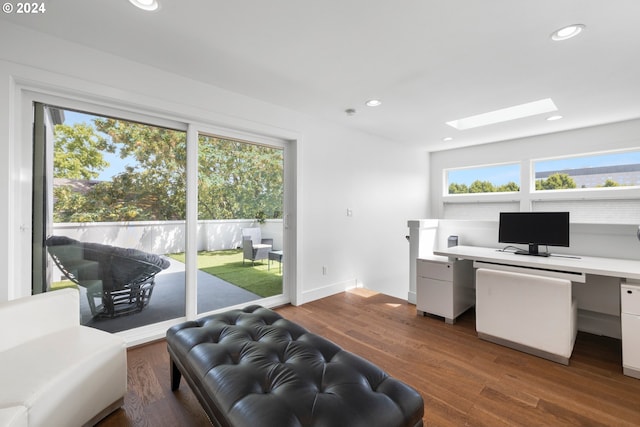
<point>240,222</point>
<point>116,196</point>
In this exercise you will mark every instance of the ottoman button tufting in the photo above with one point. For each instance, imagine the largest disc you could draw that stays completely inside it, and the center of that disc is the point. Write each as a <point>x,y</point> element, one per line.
<point>269,371</point>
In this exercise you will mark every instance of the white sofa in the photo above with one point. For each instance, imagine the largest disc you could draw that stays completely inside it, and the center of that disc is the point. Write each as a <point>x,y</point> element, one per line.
<point>530,313</point>
<point>54,371</point>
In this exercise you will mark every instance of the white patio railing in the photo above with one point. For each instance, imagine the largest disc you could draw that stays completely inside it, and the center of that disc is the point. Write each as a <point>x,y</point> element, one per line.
<point>165,237</point>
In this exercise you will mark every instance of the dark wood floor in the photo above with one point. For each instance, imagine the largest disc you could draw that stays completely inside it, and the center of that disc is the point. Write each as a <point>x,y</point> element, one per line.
<point>464,381</point>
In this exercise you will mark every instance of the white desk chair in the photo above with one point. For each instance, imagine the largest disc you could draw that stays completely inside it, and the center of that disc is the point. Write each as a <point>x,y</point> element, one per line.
<point>534,314</point>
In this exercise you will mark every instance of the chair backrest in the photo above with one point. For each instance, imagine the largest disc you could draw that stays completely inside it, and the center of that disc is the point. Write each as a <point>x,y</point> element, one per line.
<point>118,266</point>
<point>254,233</point>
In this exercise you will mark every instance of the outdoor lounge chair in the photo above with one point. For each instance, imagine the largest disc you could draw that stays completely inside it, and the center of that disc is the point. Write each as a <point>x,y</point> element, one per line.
<point>254,247</point>
<point>120,279</point>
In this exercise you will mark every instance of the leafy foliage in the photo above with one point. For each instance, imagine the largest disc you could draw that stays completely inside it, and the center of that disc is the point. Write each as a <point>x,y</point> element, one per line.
<point>482,187</point>
<point>77,152</point>
<point>236,180</point>
<point>556,181</point>
<point>455,188</point>
<point>239,180</point>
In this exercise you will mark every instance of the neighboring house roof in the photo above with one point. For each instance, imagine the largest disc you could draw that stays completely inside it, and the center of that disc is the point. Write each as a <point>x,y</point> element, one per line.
<point>78,185</point>
<point>599,170</point>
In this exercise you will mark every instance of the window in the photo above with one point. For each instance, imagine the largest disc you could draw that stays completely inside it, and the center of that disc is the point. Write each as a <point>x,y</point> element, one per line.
<point>483,179</point>
<point>608,170</point>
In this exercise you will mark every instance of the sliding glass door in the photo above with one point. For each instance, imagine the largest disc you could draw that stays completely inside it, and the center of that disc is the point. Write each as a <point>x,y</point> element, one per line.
<point>112,215</point>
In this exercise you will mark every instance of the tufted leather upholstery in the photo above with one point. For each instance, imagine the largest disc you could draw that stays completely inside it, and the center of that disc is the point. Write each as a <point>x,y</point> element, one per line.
<point>253,368</point>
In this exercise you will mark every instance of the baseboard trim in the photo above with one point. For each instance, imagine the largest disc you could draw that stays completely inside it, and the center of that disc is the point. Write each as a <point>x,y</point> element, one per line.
<point>327,291</point>
<point>631,372</point>
<point>599,323</point>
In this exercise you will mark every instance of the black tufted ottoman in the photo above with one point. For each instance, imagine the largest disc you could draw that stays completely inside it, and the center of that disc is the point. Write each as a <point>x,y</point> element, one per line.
<point>253,368</point>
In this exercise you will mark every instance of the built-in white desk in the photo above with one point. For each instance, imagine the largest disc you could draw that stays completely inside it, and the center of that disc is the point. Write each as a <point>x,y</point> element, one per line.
<point>575,269</point>
<point>572,266</point>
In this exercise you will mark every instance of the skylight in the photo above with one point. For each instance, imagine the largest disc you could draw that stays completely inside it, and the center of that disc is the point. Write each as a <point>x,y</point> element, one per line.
<point>505,114</point>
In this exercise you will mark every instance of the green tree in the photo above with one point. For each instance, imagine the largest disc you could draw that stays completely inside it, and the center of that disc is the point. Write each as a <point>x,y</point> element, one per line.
<point>556,181</point>
<point>236,180</point>
<point>455,188</point>
<point>154,188</point>
<point>510,186</point>
<point>482,187</point>
<point>610,183</point>
<point>239,180</point>
<point>78,151</point>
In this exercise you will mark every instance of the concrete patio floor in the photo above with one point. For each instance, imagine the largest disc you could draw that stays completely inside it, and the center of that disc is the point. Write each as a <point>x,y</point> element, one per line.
<point>168,300</point>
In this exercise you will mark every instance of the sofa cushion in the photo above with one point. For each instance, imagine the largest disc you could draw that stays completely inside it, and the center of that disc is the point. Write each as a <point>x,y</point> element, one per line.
<point>63,377</point>
<point>33,316</point>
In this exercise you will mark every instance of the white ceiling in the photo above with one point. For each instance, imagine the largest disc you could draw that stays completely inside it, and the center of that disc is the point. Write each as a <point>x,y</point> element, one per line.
<point>429,61</point>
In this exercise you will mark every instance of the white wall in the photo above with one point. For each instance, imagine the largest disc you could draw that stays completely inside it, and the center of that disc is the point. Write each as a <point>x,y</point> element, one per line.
<point>382,181</point>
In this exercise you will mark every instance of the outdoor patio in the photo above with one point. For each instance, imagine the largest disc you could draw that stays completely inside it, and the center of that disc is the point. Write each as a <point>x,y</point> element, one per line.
<point>168,296</point>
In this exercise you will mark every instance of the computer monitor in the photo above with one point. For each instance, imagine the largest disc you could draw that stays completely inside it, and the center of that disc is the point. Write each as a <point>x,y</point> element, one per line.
<point>534,229</point>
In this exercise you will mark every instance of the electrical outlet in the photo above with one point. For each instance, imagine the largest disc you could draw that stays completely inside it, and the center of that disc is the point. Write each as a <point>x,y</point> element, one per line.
<point>349,212</point>
<point>324,270</point>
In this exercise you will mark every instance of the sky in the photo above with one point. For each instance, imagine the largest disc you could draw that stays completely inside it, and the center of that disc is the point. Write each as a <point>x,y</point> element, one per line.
<point>116,164</point>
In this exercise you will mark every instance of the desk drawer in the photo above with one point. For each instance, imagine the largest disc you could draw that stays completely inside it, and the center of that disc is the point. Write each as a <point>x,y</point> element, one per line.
<point>435,297</point>
<point>439,270</point>
<point>630,299</point>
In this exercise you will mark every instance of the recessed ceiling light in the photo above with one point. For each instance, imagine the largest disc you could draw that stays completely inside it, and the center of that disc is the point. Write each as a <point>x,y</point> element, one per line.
<point>505,114</point>
<point>554,118</point>
<point>149,5</point>
<point>373,103</point>
<point>567,32</point>
<point>447,139</point>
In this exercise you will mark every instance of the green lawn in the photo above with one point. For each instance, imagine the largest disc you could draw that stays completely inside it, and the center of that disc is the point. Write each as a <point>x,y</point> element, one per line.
<point>227,265</point>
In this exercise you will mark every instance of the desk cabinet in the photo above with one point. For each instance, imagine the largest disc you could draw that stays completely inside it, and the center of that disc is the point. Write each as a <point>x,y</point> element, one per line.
<point>630,307</point>
<point>444,287</point>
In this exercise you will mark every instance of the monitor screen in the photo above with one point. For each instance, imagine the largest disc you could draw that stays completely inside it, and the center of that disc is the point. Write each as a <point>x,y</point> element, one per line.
<point>534,229</point>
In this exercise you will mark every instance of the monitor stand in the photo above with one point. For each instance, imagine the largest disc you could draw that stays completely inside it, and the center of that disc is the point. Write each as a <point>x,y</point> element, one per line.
<point>533,251</point>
